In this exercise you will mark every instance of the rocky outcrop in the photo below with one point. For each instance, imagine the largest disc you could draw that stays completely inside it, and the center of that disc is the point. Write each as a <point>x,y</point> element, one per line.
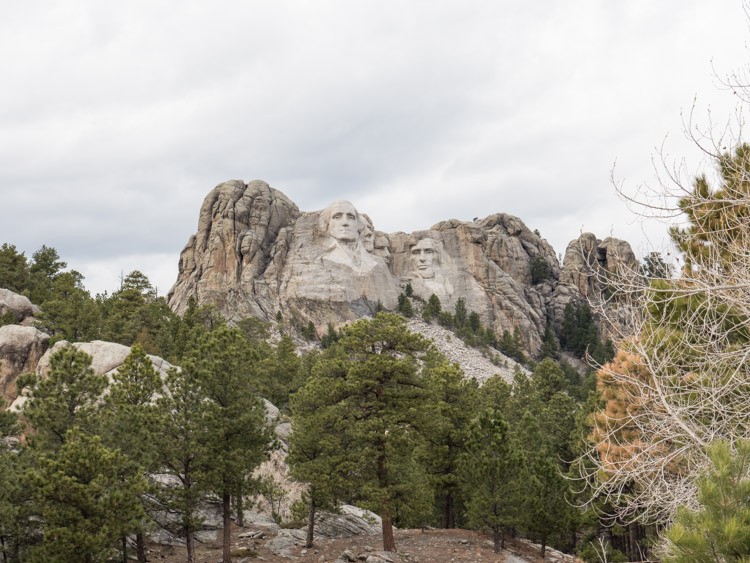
<point>21,348</point>
<point>256,254</point>
<point>350,521</point>
<point>19,305</point>
<point>106,357</point>
<point>587,258</point>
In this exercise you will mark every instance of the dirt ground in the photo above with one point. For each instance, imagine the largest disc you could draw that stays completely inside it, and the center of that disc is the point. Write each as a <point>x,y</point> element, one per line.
<point>413,546</point>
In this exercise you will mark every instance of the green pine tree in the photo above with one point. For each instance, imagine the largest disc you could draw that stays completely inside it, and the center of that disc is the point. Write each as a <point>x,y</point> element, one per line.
<point>376,392</point>
<point>719,529</point>
<point>181,447</point>
<point>69,396</point>
<point>14,270</point>
<point>88,499</point>
<point>69,312</point>
<point>239,439</point>
<point>432,308</point>
<point>490,470</point>
<point>321,441</point>
<point>130,418</point>
<point>16,528</point>
<point>460,313</point>
<point>450,408</point>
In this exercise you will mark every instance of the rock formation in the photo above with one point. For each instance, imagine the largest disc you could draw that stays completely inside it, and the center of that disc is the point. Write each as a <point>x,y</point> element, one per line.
<point>106,357</point>
<point>256,254</point>
<point>587,257</point>
<point>19,305</point>
<point>21,348</point>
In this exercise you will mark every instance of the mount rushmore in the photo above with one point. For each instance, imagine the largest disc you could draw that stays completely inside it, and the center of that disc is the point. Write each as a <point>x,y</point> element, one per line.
<point>256,254</point>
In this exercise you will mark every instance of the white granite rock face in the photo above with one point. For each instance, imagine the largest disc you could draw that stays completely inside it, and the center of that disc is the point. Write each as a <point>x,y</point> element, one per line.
<point>255,254</point>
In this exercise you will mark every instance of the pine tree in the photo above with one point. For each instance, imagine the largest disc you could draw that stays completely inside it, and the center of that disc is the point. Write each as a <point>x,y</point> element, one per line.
<point>88,499</point>
<point>432,308</point>
<point>14,270</point>
<point>69,396</point>
<point>15,502</point>
<point>239,439</point>
<point>546,511</point>
<point>44,269</point>
<point>277,373</point>
<point>475,322</point>
<point>130,417</point>
<point>321,441</point>
<point>376,396</point>
<point>404,306</point>
<point>69,312</point>
<point>550,349</point>
<point>448,414</point>
<point>460,313</point>
<point>181,446</point>
<point>490,469</point>
<point>719,529</point>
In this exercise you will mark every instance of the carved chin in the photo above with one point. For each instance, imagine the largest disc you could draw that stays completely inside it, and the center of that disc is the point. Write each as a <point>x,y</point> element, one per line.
<point>344,236</point>
<point>426,273</point>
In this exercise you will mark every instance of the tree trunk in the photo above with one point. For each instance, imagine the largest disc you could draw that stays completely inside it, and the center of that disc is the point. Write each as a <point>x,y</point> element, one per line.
<point>124,549</point>
<point>449,513</point>
<point>239,509</point>
<point>389,542</point>
<point>227,543</point>
<point>544,546</point>
<point>190,544</point>
<point>310,522</point>
<point>633,554</point>
<point>496,539</point>
<point>140,545</point>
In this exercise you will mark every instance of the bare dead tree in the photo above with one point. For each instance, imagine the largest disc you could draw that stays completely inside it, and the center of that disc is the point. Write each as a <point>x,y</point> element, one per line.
<point>681,379</point>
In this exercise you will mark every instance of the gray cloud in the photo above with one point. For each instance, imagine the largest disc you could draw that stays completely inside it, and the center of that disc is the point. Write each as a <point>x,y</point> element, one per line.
<point>118,118</point>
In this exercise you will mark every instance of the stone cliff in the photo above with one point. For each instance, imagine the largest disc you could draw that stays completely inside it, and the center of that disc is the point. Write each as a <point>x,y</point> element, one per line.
<point>256,254</point>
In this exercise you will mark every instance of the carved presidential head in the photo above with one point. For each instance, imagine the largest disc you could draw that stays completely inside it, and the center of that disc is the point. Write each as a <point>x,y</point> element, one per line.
<point>341,221</point>
<point>425,258</point>
<point>367,233</point>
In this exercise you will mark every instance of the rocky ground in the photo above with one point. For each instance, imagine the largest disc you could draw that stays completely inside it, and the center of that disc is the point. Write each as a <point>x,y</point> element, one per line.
<point>414,546</point>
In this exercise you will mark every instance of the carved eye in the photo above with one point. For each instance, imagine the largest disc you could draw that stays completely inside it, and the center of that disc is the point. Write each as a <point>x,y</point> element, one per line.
<point>429,251</point>
<point>337,215</point>
<point>350,216</point>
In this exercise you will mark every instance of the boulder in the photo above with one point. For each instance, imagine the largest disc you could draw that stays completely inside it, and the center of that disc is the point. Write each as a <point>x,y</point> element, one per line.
<point>351,521</point>
<point>21,348</point>
<point>285,541</point>
<point>19,305</point>
<point>106,357</point>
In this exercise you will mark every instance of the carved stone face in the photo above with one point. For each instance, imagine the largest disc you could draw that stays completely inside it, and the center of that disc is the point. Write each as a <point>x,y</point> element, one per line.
<point>424,258</point>
<point>343,224</point>
<point>382,248</point>
<point>368,239</point>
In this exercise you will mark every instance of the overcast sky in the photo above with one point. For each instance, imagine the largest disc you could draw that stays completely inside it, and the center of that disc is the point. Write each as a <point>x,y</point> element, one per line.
<point>117,118</point>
